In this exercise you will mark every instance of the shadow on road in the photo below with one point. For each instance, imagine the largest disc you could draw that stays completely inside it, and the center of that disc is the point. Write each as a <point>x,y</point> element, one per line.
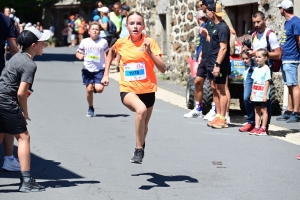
<point>160,180</point>
<point>46,170</point>
<point>112,116</point>
<point>283,133</point>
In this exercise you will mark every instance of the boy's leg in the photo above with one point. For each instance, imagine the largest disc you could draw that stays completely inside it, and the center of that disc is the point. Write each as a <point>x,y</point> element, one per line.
<point>24,150</point>
<point>89,94</point>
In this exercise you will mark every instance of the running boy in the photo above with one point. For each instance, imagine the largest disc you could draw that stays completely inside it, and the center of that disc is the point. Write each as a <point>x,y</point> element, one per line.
<point>260,91</point>
<point>15,81</point>
<point>92,50</point>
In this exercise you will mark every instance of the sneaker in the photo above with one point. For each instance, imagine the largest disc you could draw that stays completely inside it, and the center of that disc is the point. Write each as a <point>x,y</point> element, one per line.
<point>292,119</point>
<point>253,131</point>
<point>90,112</point>
<point>220,124</point>
<point>227,119</point>
<point>210,114</point>
<point>283,117</point>
<point>138,156</point>
<point>248,127</point>
<point>12,165</point>
<point>298,157</point>
<point>261,132</point>
<point>30,186</point>
<point>213,121</point>
<point>193,114</point>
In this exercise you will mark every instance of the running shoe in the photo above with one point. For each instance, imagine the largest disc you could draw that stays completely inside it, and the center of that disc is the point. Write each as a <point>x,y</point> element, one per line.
<point>193,114</point>
<point>138,156</point>
<point>261,132</point>
<point>254,131</point>
<point>298,157</point>
<point>12,165</point>
<point>292,119</point>
<point>210,114</point>
<point>213,121</point>
<point>283,117</point>
<point>220,124</point>
<point>90,112</point>
<point>247,128</point>
<point>30,186</point>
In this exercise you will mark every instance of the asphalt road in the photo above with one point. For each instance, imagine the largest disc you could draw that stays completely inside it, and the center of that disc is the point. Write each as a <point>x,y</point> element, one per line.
<point>77,157</point>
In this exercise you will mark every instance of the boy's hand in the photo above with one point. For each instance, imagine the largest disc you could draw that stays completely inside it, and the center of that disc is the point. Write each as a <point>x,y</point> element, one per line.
<point>81,56</point>
<point>105,80</point>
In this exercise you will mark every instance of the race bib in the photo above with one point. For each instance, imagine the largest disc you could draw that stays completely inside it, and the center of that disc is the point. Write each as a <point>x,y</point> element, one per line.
<point>134,71</point>
<point>93,56</point>
<point>258,92</point>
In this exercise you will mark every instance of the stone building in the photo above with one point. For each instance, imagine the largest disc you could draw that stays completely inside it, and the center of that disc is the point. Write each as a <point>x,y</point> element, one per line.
<point>173,25</point>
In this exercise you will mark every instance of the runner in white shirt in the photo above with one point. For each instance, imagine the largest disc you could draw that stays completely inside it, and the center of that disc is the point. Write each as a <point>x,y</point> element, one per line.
<point>93,51</point>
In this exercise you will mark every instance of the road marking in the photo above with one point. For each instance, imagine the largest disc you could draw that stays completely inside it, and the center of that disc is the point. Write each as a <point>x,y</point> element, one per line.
<point>180,101</point>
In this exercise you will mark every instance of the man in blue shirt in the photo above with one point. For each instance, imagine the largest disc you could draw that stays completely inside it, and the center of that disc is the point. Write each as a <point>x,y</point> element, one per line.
<point>290,45</point>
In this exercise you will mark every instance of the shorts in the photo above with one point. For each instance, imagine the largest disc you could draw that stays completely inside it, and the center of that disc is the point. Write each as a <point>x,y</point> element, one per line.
<point>225,71</point>
<point>148,98</point>
<point>290,73</point>
<point>202,68</point>
<point>72,37</point>
<point>260,104</point>
<point>12,122</point>
<point>92,77</point>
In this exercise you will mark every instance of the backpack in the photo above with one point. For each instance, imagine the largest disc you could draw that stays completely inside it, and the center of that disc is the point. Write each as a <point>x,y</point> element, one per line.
<point>275,64</point>
<point>112,29</point>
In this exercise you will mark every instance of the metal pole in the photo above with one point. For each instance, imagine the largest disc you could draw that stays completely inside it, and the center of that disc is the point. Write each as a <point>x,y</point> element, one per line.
<point>297,13</point>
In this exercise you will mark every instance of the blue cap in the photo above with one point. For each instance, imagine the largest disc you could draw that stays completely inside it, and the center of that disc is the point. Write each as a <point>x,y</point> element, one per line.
<point>96,17</point>
<point>207,2</point>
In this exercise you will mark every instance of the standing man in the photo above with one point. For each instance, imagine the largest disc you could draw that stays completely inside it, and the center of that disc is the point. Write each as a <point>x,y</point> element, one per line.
<point>218,62</point>
<point>290,44</point>
<point>259,40</point>
<point>116,19</point>
<point>201,57</point>
<point>7,32</point>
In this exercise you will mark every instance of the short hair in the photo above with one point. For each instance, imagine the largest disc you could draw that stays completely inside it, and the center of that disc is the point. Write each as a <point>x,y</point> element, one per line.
<point>259,13</point>
<point>94,23</point>
<point>117,3</point>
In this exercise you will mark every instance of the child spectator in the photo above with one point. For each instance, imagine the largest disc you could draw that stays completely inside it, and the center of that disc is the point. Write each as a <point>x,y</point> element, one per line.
<point>260,91</point>
<point>92,50</point>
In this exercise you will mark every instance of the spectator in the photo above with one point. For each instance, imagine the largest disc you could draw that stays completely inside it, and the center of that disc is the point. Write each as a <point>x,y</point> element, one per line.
<point>73,36</point>
<point>259,41</point>
<point>290,44</point>
<point>81,29</point>
<point>7,33</point>
<point>104,23</point>
<point>116,18</point>
<point>99,4</point>
<point>66,32</point>
<point>218,62</point>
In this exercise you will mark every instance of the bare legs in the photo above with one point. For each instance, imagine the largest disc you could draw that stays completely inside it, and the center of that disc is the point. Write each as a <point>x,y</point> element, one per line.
<point>90,90</point>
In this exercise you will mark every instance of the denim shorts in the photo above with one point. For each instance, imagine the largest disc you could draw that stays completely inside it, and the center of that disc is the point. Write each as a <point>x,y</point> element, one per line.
<point>92,77</point>
<point>290,73</point>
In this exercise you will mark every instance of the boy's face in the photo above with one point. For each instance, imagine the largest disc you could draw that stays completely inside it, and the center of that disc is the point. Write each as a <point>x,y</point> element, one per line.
<point>94,31</point>
<point>246,59</point>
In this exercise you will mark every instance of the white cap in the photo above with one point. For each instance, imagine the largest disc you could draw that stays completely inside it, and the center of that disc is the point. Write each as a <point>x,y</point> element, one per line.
<point>200,14</point>
<point>286,5</point>
<point>103,9</point>
<point>42,36</point>
<point>28,24</point>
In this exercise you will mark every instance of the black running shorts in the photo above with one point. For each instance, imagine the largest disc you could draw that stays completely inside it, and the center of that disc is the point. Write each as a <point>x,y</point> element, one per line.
<point>12,122</point>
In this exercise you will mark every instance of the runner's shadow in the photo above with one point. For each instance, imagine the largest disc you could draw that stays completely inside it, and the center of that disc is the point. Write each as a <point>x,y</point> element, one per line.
<point>48,170</point>
<point>111,116</point>
<point>160,180</point>
<point>283,133</point>
<point>50,184</point>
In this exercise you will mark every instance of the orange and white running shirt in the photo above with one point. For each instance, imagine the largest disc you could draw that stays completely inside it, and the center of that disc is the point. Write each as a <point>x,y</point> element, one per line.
<point>136,65</point>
